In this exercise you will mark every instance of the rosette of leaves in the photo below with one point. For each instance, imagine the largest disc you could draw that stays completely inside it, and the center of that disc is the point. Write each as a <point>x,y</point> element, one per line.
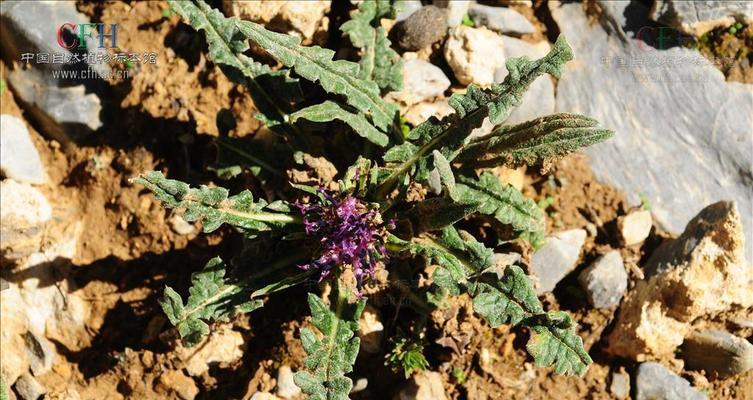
<point>438,157</point>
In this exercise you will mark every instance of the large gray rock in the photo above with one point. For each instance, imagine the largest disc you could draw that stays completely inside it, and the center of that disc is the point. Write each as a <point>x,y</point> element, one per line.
<point>19,159</point>
<point>717,352</point>
<point>682,132</point>
<point>422,81</point>
<point>500,19</point>
<point>653,381</point>
<point>66,113</point>
<point>61,105</point>
<point>32,27</point>
<point>605,280</point>
<point>698,17</point>
<point>557,258</point>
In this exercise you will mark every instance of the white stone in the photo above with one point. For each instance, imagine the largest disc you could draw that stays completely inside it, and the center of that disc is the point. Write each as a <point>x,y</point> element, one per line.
<point>28,388</point>
<point>501,19</point>
<point>181,227</point>
<point>474,54</point>
<point>456,10</point>
<point>556,258</point>
<point>635,227</point>
<point>222,346</point>
<point>286,387</point>
<point>424,385</point>
<point>19,159</point>
<point>422,111</point>
<point>422,81</point>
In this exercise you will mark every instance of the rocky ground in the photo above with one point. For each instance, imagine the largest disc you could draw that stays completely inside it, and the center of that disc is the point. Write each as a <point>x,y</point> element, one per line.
<point>648,251</point>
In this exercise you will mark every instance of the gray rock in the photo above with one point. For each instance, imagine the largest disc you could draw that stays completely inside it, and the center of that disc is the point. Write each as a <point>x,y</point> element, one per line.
<point>422,81</point>
<point>717,352</point>
<point>407,9</point>
<point>456,10</point>
<point>620,386</point>
<point>661,104</point>
<point>515,47</point>
<point>286,387</point>
<point>41,353</point>
<point>655,382</point>
<point>500,19</point>
<point>422,29</point>
<point>27,388</point>
<point>65,113</point>
<point>22,32</point>
<point>698,17</point>
<point>19,158</point>
<point>605,280</point>
<point>556,258</point>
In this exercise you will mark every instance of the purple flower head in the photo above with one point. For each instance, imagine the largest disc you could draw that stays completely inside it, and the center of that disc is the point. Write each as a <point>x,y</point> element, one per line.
<point>349,233</point>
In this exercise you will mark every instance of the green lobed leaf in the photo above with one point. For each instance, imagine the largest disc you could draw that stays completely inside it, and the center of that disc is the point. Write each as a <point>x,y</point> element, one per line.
<point>379,62</point>
<point>540,141</point>
<point>555,343</point>
<point>272,91</point>
<point>438,212</point>
<point>315,63</point>
<point>329,110</point>
<point>214,207</point>
<point>211,297</point>
<point>508,299</point>
<point>332,356</point>
<point>449,134</point>
<point>504,202</point>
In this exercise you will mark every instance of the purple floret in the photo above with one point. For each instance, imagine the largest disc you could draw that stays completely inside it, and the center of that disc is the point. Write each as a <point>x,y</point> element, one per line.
<point>349,232</point>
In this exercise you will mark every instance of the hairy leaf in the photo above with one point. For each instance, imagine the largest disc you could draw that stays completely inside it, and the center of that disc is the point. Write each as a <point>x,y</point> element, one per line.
<point>315,64</point>
<point>332,356</point>
<point>450,134</point>
<point>211,297</point>
<point>213,206</point>
<point>272,91</point>
<point>329,110</point>
<point>555,343</point>
<point>507,300</point>
<point>505,203</point>
<point>540,141</point>
<point>379,62</point>
<point>438,212</point>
